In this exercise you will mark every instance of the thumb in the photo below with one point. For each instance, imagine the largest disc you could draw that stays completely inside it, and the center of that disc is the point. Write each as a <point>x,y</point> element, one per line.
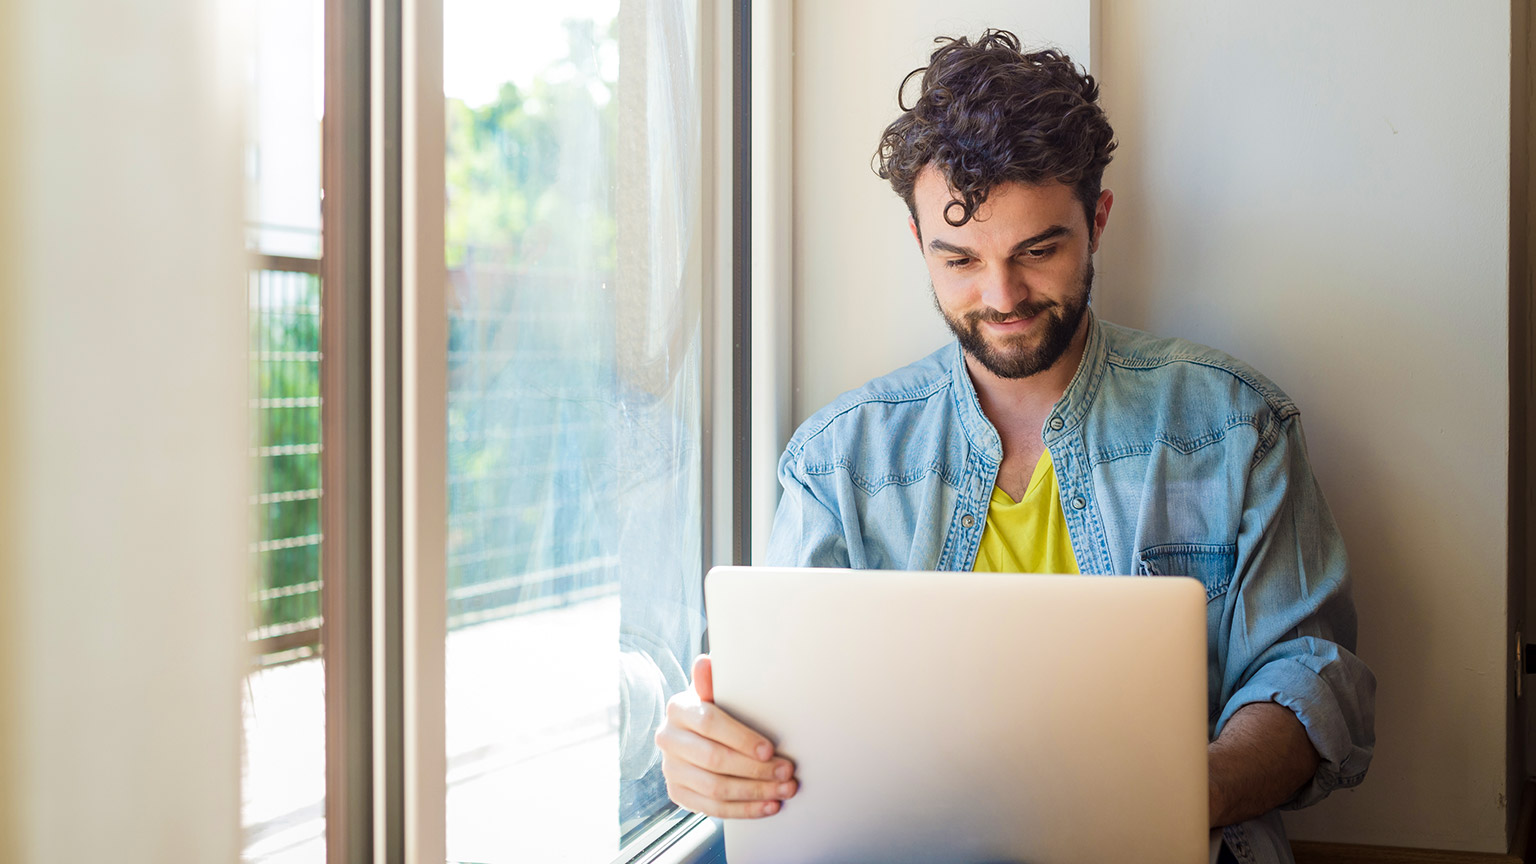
<point>703,678</point>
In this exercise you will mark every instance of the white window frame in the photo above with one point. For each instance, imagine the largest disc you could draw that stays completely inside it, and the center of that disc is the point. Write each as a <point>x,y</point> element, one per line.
<point>385,381</point>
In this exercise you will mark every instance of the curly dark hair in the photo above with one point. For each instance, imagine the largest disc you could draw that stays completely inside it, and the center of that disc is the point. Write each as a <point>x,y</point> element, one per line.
<point>990,114</point>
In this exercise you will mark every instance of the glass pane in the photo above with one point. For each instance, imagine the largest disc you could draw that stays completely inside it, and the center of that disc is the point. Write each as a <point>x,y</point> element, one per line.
<point>574,543</point>
<point>284,758</point>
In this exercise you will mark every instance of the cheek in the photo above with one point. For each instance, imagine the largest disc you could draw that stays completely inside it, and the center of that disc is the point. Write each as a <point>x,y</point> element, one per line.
<point>952,290</point>
<point>938,274</point>
<point>1065,276</point>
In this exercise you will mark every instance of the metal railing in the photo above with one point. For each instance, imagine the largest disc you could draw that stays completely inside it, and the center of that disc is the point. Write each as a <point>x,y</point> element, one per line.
<point>284,297</point>
<point>526,530</point>
<point>530,432</point>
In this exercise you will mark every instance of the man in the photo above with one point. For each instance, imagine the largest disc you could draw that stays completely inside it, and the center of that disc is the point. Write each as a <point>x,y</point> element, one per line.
<point>1045,440</point>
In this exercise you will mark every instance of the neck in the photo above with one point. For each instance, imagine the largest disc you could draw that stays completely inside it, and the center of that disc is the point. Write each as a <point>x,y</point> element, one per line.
<point>1018,406</point>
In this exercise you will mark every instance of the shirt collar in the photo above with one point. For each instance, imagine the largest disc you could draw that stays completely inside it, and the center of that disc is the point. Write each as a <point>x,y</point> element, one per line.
<point>1074,403</point>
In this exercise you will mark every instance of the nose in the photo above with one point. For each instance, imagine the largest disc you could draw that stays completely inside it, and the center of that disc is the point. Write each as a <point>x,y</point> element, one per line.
<point>1004,288</point>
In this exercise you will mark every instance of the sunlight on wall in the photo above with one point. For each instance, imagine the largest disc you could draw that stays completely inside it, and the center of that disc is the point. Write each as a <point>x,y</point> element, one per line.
<point>9,282</point>
<point>125,523</point>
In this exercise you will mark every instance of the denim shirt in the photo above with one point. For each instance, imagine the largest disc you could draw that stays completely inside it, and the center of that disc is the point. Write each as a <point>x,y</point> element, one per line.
<point>1172,459</point>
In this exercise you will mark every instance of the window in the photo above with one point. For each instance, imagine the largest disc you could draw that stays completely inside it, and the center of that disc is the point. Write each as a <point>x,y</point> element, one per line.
<point>575,413</point>
<point>284,705</point>
<point>576,387</point>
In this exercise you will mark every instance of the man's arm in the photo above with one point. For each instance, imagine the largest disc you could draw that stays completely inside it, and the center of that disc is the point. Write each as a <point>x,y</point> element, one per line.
<point>1259,761</point>
<point>1288,632</point>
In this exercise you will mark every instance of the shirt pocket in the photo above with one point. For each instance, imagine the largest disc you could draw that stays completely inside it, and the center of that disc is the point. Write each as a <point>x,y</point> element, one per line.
<point>1211,563</point>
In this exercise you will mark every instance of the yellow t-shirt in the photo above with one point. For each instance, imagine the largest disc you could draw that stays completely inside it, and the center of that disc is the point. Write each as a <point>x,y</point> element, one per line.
<point>1028,536</point>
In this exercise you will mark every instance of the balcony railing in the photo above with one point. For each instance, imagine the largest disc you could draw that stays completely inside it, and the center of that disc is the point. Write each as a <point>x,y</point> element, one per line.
<point>284,297</point>
<point>521,533</point>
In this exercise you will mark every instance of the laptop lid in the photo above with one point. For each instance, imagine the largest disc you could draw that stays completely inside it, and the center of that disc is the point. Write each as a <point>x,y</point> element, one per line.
<point>968,717</point>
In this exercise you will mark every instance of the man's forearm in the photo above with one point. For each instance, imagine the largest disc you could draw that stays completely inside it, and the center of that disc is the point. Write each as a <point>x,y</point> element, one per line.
<point>1258,762</point>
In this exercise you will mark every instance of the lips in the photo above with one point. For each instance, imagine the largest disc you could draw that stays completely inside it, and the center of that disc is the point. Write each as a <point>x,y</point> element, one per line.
<point>1023,314</point>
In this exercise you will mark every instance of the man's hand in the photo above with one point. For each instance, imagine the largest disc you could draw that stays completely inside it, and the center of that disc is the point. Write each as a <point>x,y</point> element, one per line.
<point>713,763</point>
<point>1261,758</point>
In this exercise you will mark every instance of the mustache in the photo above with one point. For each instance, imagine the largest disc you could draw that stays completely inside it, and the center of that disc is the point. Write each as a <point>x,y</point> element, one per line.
<point>1026,309</point>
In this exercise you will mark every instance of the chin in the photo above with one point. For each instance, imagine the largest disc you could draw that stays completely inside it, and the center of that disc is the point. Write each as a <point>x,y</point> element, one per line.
<point>1014,349</point>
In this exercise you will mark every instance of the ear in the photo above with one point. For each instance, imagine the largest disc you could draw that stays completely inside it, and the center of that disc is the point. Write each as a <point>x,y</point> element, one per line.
<point>1101,218</point>
<point>916,234</point>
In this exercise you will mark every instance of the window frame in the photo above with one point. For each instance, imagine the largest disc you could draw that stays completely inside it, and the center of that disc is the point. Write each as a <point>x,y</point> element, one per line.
<point>384,383</point>
<point>346,399</point>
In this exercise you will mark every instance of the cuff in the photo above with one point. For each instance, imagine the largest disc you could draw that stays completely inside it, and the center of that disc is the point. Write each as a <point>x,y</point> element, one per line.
<point>1295,685</point>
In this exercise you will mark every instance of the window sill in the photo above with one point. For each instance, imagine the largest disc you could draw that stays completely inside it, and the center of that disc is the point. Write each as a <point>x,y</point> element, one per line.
<point>700,841</point>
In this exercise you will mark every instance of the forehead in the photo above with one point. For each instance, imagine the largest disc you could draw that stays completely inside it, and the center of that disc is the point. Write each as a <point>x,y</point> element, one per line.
<point>1011,209</point>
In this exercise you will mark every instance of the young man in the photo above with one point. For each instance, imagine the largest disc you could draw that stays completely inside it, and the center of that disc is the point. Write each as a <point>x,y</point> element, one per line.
<point>1045,440</point>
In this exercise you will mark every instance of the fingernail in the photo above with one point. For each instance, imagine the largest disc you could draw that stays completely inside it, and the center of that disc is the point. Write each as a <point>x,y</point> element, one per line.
<point>770,808</point>
<point>782,772</point>
<point>764,751</point>
<point>786,789</point>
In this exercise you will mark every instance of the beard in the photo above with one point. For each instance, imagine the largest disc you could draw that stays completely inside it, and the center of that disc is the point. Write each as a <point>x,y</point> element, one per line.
<point>1014,356</point>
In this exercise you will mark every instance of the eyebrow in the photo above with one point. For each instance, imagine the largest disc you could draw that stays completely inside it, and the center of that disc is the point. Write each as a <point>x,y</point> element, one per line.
<point>1050,233</point>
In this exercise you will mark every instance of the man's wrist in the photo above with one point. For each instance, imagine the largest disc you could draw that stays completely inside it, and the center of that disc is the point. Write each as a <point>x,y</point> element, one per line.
<point>1262,757</point>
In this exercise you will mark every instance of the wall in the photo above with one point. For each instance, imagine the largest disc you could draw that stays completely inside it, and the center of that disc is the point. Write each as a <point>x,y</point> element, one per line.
<point>10,792</point>
<point>123,541</point>
<point>1321,189</point>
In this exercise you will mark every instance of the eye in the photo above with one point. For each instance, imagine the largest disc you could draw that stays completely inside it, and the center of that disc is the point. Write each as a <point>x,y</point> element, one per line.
<point>1039,252</point>
<point>957,262</point>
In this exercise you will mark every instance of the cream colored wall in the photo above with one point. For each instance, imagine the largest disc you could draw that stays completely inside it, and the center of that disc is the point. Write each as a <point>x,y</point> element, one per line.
<point>124,555</point>
<point>1322,189</point>
<point>1319,188</point>
<point>10,797</point>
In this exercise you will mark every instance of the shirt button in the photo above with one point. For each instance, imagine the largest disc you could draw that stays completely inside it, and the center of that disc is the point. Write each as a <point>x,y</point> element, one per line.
<point>1056,423</point>
<point>967,520</point>
<point>1078,503</point>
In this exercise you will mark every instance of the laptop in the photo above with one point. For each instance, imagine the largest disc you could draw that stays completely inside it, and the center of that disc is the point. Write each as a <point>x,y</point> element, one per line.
<point>975,718</point>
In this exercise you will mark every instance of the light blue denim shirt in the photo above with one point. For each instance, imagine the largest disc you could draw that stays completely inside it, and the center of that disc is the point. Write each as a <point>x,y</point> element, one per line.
<point>1172,459</point>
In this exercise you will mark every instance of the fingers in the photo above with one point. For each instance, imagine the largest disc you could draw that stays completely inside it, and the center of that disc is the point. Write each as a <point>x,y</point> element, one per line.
<point>690,800</point>
<point>705,719</point>
<point>704,678</point>
<point>718,790</point>
<point>684,746</point>
<point>716,765</point>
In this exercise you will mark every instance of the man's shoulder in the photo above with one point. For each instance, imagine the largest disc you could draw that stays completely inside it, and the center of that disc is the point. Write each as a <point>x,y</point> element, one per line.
<point>912,387</point>
<point>1181,364</point>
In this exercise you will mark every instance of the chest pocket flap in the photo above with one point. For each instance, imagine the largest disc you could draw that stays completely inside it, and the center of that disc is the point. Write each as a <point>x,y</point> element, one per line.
<point>1210,563</point>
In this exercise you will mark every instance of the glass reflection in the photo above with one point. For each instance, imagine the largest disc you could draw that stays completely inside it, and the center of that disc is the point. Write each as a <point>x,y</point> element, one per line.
<point>573,417</point>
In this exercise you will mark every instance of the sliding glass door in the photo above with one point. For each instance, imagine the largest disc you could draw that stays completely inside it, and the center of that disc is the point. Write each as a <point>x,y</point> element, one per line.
<point>475,598</point>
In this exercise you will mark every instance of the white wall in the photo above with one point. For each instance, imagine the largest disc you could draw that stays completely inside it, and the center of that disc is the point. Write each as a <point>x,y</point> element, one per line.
<point>1320,189</point>
<point>123,542</point>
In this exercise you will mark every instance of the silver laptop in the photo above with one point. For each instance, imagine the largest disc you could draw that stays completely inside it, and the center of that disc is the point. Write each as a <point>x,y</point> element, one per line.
<point>969,717</point>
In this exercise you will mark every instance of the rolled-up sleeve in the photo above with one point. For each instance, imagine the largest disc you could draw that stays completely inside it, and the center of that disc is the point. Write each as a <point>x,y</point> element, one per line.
<point>1287,631</point>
